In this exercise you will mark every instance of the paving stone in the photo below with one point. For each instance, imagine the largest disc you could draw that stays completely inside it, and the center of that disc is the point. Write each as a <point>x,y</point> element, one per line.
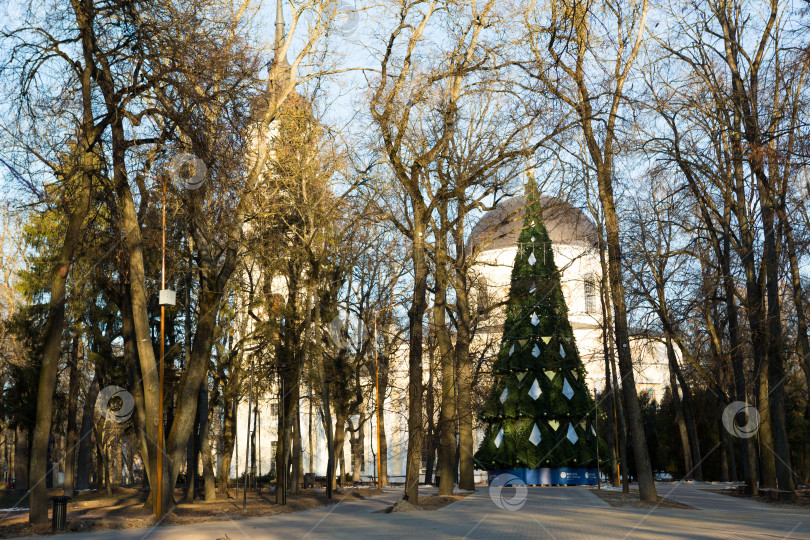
<point>559,513</point>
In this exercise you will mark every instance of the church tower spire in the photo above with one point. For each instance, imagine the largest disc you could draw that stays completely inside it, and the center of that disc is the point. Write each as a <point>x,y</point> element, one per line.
<point>280,35</point>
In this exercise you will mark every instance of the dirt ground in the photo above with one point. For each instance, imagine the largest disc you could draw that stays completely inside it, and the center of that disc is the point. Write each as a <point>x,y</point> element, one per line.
<point>802,499</point>
<point>434,502</point>
<point>426,502</point>
<point>89,511</point>
<point>633,500</point>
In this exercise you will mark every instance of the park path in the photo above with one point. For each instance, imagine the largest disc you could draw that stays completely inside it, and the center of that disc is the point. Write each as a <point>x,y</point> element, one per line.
<point>554,512</point>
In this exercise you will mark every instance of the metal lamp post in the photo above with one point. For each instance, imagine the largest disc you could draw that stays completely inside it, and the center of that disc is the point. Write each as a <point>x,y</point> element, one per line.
<point>167,297</point>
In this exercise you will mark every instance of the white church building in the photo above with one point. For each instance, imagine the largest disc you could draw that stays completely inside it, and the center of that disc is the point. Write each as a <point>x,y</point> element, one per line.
<point>575,244</point>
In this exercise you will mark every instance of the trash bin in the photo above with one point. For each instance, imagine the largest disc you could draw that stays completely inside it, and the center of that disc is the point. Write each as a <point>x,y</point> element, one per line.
<point>59,518</point>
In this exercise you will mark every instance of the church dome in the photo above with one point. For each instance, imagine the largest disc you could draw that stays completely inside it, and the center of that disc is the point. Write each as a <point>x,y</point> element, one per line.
<point>500,227</point>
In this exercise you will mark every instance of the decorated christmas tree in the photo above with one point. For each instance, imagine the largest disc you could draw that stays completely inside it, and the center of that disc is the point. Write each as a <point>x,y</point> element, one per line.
<point>540,414</point>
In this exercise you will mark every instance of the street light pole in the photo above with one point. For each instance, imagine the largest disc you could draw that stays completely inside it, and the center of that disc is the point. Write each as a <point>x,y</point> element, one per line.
<point>165,298</point>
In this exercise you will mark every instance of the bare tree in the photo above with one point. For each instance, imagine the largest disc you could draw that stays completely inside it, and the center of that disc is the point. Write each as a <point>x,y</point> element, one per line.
<point>569,44</point>
<point>402,88</point>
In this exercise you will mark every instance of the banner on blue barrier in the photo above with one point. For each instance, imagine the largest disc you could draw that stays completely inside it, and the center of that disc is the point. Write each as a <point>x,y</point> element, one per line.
<point>547,476</point>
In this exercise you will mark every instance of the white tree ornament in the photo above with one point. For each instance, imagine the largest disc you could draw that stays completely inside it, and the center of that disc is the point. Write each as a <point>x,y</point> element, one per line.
<point>499,439</point>
<point>535,437</point>
<point>568,392</point>
<point>504,395</point>
<point>536,351</point>
<point>562,351</point>
<point>535,320</point>
<point>572,434</point>
<point>534,391</point>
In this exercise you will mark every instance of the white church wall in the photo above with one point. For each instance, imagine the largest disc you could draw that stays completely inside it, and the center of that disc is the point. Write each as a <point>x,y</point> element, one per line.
<point>394,418</point>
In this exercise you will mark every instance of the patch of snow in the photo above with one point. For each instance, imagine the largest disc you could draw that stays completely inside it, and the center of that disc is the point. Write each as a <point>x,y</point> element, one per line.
<point>15,509</point>
<point>611,488</point>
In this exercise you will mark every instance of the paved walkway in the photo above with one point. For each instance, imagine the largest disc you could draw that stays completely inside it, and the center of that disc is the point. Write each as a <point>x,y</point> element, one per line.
<point>553,512</point>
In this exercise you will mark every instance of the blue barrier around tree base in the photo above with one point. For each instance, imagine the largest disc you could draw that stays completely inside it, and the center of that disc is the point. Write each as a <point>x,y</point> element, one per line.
<point>548,476</point>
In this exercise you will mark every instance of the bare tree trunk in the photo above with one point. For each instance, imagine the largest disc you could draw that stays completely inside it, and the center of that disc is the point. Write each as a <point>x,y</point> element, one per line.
<point>135,388</point>
<point>191,459</point>
<point>683,411</point>
<point>209,481</point>
<point>749,452</point>
<point>775,353</point>
<point>228,440</point>
<point>85,441</point>
<point>21,459</point>
<point>802,341</point>
<point>357,445</point>
<point>610,388</point>
<point>416,314</point>
<point>447,412</point>
<point>297,454</point>
<point>466,442</point>
<point>642,457</point>
<point>383,442</point>
<point>689,420</point>
<point>432,433</point>
<point>724,450</point>
<point>50,358</point>
<point>767,458</point>
<point>73,398</point>
<point>326,409</point>
<point>676,402</point>
<point>340,442</point>
<point>607,323</point>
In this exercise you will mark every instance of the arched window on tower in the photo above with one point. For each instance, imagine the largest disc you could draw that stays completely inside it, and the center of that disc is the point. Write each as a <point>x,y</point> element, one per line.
<point>482,299</point>
<point>591,295</point>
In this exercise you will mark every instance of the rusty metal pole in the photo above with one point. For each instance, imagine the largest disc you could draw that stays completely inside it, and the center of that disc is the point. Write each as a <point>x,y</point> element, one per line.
<point>247,443</point>
<point>379,407</point>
